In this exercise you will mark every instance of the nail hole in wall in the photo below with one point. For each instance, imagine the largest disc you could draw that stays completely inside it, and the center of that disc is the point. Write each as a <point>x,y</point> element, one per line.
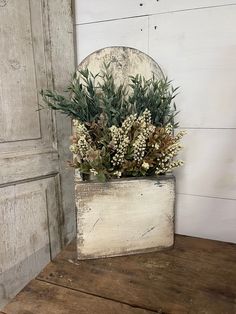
<point>141,4</point>
<point>155,27</point>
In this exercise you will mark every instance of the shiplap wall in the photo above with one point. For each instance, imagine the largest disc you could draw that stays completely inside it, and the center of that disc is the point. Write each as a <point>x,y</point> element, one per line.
<point>194,41</point>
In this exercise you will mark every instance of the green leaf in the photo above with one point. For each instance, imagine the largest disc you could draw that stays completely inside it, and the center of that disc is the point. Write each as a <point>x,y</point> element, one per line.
<point>101,177</point>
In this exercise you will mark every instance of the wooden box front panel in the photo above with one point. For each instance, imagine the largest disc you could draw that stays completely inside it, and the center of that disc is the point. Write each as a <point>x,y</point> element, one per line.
<point>124,216</point>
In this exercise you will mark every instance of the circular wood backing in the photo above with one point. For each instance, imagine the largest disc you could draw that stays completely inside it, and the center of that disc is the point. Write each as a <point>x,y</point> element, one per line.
<point>124,62</point>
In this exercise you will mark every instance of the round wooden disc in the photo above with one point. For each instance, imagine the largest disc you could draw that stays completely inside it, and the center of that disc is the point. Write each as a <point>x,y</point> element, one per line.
<point>124,62</point>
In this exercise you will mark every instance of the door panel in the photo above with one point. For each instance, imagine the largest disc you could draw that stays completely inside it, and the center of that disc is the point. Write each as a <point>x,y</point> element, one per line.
<point>17,67</point>
<point>23,222</point>
<point>32,219</point>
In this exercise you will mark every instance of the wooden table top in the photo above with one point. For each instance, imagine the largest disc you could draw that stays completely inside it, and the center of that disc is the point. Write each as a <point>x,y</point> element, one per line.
<point>196,276</point>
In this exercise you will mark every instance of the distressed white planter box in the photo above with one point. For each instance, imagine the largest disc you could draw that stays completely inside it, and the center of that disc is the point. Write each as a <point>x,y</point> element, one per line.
<point>125,216</point>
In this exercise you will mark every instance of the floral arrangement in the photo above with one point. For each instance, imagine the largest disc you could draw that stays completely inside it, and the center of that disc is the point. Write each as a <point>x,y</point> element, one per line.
<point>120,131</point>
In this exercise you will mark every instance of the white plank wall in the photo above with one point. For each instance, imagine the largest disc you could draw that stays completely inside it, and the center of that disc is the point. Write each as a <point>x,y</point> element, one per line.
<point>102,10</point>
<point>194,41</point>
<point>197,50</point>
<point>130,32</point>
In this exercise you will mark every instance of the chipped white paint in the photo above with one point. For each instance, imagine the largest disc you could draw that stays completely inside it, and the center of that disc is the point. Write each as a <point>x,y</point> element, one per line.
<point>124,62</point>
<point>125,216</point>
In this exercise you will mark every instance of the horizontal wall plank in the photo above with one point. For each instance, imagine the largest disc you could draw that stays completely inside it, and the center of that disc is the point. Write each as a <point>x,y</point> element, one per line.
<point>206,217</point>
<point>201,60</point>
<point>132,33</point>
<point>210,163</point>
<point>87,11</point>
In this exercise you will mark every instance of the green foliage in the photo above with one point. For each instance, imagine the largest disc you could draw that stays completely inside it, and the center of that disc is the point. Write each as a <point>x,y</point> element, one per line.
<point>120,130</point>
<point>96,97</point>
<point>156,96</point>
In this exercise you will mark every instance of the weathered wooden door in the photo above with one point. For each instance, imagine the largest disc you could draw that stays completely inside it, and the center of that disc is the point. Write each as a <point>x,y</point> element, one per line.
<point>36,201</point>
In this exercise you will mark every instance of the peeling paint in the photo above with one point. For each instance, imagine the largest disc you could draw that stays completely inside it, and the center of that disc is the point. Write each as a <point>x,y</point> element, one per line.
<point>125,61</point>
<point>121,216</point>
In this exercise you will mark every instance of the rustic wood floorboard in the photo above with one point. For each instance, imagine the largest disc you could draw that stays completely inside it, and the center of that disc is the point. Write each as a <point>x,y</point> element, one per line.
<point>196,276</point>
<point>44,298</point>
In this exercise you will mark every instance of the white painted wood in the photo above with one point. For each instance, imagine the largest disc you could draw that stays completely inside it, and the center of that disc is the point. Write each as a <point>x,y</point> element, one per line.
<point>124,216</point>
<point>17,167</point>
<point>124,62</point>
<point>33,226</point>
<point>20,204</point>
<point>28,228</point>
<point>206,217</point>
<point>100,10</point>
<point>20,66</point>
<point>15,278</point>
<point>132,33</point>
<point>210,163</point>
<point>197,50</point>
<point>161,7</point>
<point>51,187</point>
<point>17,67</point>
<point>62,48</point>
<point>87,11</point>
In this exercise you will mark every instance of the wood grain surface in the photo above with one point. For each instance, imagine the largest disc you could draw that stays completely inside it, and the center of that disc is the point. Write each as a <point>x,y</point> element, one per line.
<point>35,221</point>
<point>43,298</point>
<point>196,276</point>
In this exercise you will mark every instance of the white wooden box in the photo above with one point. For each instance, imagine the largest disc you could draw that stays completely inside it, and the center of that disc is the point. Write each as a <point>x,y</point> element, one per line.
<point>124,216</point>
